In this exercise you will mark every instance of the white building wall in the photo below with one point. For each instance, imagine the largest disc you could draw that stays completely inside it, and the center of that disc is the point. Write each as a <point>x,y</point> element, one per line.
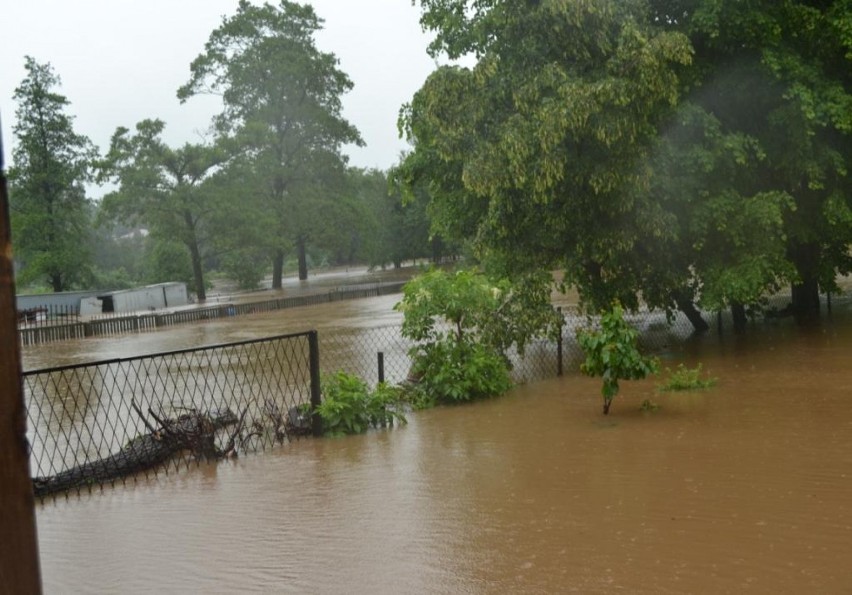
<point>175,294</point>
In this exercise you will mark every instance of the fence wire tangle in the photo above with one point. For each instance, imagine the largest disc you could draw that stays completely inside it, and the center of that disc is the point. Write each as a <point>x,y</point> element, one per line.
<point>97,423</point>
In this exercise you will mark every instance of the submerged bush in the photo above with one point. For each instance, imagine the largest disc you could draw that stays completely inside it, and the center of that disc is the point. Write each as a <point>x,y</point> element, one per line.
<point>453,372</point>
<point>464,323</point>
<point>683,378</point>
<point>350,407</point>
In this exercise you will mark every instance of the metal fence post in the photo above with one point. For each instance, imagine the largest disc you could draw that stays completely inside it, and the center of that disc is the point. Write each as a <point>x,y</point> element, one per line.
<point>381,362</point>
<point>559,343</point>
<point>316,395</point>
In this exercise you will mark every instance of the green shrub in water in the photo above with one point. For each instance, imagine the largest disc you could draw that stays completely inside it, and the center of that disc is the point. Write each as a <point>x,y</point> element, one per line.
<point>453,372</point>
<point>350,407</point>
<point>464,323</point>
<point>612,354</point>
<point>683,378</point>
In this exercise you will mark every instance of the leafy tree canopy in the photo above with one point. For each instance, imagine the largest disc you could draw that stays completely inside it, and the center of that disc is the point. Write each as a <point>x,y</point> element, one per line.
<point>51,164</point>
<point>164,189</point>
<point>772,82</point>
<point>679,150</point>
<point>282,111</point>
<point>538,152</point>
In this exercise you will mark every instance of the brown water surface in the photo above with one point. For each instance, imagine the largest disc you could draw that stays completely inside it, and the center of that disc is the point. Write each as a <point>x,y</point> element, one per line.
<point>744,488</point>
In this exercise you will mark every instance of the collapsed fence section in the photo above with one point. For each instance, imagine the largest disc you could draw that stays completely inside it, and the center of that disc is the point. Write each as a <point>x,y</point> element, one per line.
<point>118,420</point>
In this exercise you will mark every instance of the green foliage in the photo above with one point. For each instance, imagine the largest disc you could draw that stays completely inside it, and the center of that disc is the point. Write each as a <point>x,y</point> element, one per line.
<point>282,117</point>
<point>465,324</point>
<point>393,230</point>
<point>612,354</point>
<point>164,189</point>
<point>166,261</point>
<point>350,407</point>
<point>536,152</point>
<point>246,266</point>
<point>117,278</point>
<point>683,378</point>
<point>681,151</point>
<point>771,160</point>
<point>452,371</point>
<point>461,305</point>
<point>649,406</point>
<point>50,214</point>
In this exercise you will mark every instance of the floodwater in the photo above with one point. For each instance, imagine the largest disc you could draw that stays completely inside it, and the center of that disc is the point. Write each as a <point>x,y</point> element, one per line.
<point>743,488</point>
<point>361,313</point>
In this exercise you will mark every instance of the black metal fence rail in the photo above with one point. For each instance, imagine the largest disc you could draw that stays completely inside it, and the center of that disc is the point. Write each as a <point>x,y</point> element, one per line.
<point>65,323</point>
<point>84,416</point>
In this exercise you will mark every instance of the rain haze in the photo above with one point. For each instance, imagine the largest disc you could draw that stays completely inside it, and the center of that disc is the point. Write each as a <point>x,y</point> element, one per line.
<point>121,61</point>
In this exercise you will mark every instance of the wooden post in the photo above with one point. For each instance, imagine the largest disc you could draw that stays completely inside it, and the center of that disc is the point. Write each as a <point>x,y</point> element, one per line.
<point>316,395</point>
<point>19,564</point>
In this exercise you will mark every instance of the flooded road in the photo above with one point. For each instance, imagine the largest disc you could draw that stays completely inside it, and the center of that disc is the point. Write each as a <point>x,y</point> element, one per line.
<point>744,488</point>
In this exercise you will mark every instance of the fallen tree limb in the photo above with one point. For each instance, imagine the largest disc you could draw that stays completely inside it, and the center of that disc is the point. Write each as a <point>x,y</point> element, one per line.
<point>192,431</point>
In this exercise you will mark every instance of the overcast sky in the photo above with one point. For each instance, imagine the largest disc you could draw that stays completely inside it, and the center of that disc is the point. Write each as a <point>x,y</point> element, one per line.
<point>121,61</point>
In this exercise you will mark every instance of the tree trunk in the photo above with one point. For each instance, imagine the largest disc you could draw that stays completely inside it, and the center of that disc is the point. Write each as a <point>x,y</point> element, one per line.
<point>191,242</point>
<point>739,315</point>
<point>303,259</point>
<point>693,314</point>
<point>805,295</point>
<point>197,273</point>
<point>56,282</point>
<point>805,305</point>
<point>277,268</point>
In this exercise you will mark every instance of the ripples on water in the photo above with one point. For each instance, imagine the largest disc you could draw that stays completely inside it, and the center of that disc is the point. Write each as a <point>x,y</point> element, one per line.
<point>743,488</point>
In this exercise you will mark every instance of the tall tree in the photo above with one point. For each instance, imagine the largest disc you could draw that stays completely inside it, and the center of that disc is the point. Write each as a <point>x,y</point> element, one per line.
<point>282,106</point>
<point>49,208</point>
<point>778,75</point>
<point>394,228</point>
<point>164,189</point>
<point>538,153</point>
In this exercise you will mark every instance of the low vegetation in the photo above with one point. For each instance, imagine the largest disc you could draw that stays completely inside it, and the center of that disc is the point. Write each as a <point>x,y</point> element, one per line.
<point>612,354</point>
<point>464,324</point>
<point>683,378</point>
<point>350,407</point>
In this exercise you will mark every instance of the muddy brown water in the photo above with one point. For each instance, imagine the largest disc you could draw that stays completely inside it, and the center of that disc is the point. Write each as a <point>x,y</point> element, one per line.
<point>744,488</point>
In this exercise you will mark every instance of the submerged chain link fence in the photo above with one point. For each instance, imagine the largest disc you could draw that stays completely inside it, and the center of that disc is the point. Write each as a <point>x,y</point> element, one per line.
<point>126,418</point>
<point>382,353</point>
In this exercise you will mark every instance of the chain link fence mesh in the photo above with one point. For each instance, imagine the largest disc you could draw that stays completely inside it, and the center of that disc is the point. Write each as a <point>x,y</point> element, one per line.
<point>85,420</point>
<point>84,416</point>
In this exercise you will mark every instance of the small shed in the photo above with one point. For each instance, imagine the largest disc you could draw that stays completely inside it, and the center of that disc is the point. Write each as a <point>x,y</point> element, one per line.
<point>150,297</point>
